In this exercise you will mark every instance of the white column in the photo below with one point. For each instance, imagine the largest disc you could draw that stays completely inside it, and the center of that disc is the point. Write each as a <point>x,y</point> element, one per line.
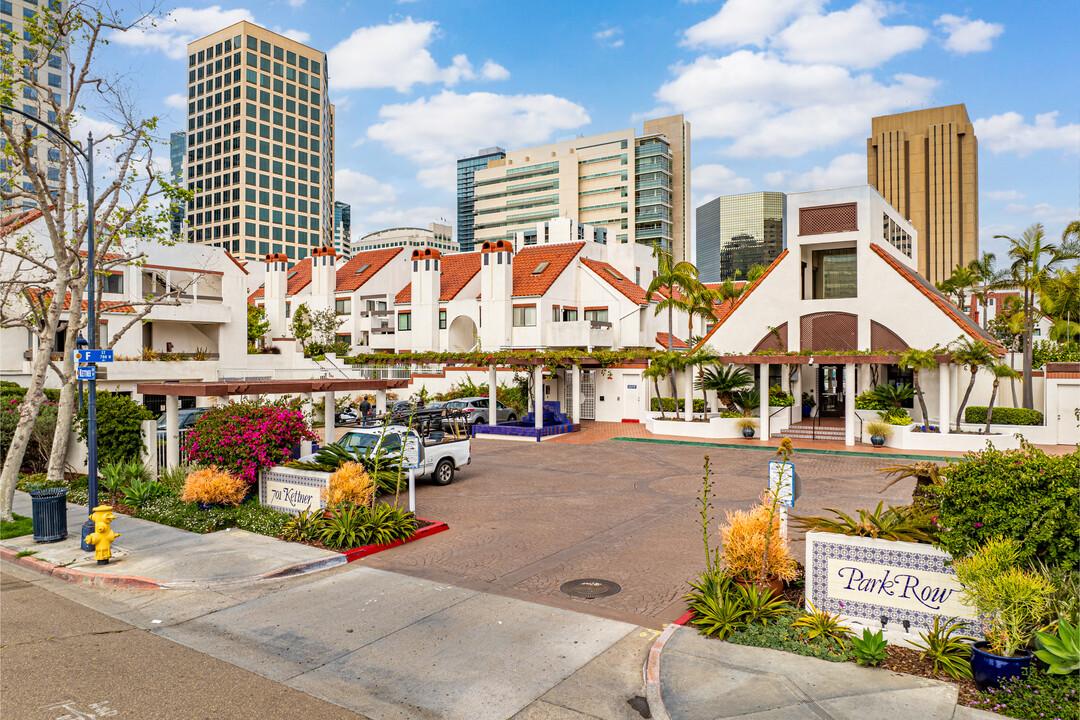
<point>538,391</point>
<point>849,403</point>
<point>688,391</point>
<point>576,397</point>
<point>944,397</point>
<point>309,415</point>
<point>380,401</point>
<point>149,429</point>
<point>493,415</point>
<point>763,403</point>
<point>328,417</point>
<point>172,431</point>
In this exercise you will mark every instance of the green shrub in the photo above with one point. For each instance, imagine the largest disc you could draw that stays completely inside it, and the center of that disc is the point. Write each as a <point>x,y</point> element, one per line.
<point>669,405</point>
<point>778,397</point>
<point>896,416</point>
<point>1046,351</point>
<point>1003,415</point>
<point>1024,494</point>
<point>38,449</point>
<point>250,516</point>
<point>868,401</point>
<point>781,635</point>
<point>119,427</point>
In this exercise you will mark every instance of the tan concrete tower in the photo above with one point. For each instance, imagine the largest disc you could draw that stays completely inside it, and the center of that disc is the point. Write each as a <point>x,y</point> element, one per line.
<point>926,164</point>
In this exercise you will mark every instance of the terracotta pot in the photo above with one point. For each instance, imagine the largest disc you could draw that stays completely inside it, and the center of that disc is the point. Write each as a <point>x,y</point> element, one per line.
<point>772,583</point>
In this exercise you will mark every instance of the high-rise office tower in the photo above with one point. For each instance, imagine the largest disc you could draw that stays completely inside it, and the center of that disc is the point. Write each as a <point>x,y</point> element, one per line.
<point>926,164</point>
<point>343,228</point>
<point>45,93</point>
<point>637,187</point>
<point>260,144</point>
<point>466,169</point>
<point>736,232</point>
<point>177,156</point>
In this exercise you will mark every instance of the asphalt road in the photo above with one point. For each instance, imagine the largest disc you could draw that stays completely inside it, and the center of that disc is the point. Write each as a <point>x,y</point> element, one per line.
<point>62,660</point>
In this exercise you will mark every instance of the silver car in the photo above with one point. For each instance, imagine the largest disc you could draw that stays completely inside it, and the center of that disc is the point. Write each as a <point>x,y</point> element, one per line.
<point>476,410</point>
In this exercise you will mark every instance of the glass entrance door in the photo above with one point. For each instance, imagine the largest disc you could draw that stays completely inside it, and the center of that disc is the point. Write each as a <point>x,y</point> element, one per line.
<point>831,390</point>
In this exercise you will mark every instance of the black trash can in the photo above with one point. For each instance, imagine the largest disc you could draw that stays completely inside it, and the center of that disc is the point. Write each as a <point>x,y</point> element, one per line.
<point>49,514</point>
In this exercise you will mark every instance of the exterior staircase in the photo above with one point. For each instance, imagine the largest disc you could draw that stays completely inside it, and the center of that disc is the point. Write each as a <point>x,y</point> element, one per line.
<point>808,432</point>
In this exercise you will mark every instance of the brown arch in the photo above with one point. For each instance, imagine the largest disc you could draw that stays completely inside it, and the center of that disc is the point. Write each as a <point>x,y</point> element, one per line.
<point>829,331</point>
<point>882,338</point>
<point>774,340</point>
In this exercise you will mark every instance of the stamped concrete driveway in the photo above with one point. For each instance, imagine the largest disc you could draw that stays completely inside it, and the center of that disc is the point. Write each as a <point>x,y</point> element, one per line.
<point>527,517</point>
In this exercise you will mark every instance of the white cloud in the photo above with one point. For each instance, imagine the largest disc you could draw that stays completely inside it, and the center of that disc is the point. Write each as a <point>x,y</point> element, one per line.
<point>713,180</point>
<point>1003,195</point>
<point>609,37</point>
<point>396,56</point>
<point>854,37</point>
<point>386,218</point>
<point>968,36</point>
<point>297,3</point>
<point>746,22</point>
<point>433,132</point>
<point>1009,133</point>
<point>172,33</point>
<point>358,189</point>
<point>298,35</point>
<point>177,100</point>
<point>844,171</point>
<point>770,107</point>
<point>1042,212</point>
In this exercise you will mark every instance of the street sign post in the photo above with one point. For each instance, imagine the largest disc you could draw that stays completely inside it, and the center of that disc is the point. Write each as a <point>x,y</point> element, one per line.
<point>87,355</point>
<point>786,483</point>
<point>88,372</point>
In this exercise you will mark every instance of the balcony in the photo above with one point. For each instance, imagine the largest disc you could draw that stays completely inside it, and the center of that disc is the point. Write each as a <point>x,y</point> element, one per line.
<point>579,333</point>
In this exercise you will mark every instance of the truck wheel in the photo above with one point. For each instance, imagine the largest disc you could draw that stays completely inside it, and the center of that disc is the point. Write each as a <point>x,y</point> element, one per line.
<point>444,472</point>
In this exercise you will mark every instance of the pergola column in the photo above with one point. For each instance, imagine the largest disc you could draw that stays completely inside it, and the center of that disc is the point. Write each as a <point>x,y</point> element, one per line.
<point>538,391</point>
<point>172,431</point>
<point>328,417</point>
<point>849,403</point>
<point>763,401</point>
<point>796,392</point>
<point>944,397</point>
<point>308,410</point>
<point>575,400</point>
<point>493,408</point>
<point>380,402</point>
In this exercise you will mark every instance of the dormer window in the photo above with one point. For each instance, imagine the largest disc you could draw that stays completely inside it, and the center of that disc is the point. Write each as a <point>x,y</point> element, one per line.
<point>613,273</point>
<point>541,267</point>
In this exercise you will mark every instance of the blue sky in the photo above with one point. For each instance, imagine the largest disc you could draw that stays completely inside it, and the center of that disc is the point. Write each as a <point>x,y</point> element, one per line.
<point>779,92</point>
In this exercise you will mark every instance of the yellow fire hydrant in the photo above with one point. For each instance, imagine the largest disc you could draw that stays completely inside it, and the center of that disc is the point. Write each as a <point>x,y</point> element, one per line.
<point>103,536</point>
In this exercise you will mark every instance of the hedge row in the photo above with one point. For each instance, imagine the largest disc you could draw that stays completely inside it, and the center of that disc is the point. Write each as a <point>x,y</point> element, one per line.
<point>1003,415</point>
<point>669,405</point>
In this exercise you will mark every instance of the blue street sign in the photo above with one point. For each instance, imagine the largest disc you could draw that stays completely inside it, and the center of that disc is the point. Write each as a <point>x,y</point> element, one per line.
<point>88,373</point>
<point>93,356</point>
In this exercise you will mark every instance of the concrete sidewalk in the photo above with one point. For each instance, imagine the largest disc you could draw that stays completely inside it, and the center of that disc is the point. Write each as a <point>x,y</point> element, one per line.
<point>692,677</point>
<point>149,555</point>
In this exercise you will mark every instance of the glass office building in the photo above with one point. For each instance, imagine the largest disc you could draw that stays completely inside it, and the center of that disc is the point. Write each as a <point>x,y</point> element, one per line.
<point>177,154</point>
<point>466,192</point>
<point>737,232</point>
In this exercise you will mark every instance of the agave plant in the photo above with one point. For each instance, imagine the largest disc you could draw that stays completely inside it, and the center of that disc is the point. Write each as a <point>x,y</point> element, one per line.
<point>870,648</point>
<point>717,611</point>
<point>947,648</point>
<point>905,524</point>
<point>821,623</point>
<point>1061,651</point>
<point>761,604</point>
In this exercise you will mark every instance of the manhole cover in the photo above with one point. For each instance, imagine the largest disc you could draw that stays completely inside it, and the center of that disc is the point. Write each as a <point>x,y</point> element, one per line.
<point>590,588</point>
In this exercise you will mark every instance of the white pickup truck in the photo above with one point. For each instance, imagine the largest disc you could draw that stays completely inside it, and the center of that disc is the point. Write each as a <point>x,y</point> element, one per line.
<point>439,457</point>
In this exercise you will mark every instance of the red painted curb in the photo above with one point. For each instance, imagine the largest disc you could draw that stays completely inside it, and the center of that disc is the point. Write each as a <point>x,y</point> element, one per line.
<point>685,618</point>
<point>625,420</point>
<point>365,550</point>
<point>108,580</point>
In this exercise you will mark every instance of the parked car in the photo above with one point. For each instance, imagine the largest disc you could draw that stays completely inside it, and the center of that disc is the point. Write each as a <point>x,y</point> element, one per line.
<point>476,411</point>
<point>439,456</point>
<point>187,418</point>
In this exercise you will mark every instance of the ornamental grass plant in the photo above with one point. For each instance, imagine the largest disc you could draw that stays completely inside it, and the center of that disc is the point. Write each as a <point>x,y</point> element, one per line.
<point>350,484</point>
<point>213,486</point>
<point>753,544</point>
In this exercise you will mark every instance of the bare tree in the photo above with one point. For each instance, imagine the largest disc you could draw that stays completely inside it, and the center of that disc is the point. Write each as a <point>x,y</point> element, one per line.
<point>45,272</point>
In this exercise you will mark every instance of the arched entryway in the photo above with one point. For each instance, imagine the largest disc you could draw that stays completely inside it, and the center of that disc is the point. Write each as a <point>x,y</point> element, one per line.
<point>462,334</point>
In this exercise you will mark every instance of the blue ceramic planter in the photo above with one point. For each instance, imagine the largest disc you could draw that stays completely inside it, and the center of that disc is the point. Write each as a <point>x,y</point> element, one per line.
<point>990,670</point>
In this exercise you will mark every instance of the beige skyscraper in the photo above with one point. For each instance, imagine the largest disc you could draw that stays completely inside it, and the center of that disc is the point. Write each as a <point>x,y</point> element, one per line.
<point>260,147</point>
<point>635,186</point>
<point>926,164</point>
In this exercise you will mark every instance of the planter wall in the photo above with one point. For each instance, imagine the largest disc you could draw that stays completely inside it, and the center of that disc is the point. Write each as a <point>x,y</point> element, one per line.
<point>864,579</point>
<point>904,437</point>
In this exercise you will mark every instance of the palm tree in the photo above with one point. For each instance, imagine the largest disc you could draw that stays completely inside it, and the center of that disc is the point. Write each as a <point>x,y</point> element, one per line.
<point>661,365</point>
<point>700,358</point>
<point>656,370</point>
<point>671,275</point>
<point>916,361</point>
<point>701,301</point>
<point>1059,300</point>
<point>1033,263</point>
<point>1000,370</point>
<point>958,283</point>
<point>975,354</point>
<point>724,381</point>
<point>987,278</point>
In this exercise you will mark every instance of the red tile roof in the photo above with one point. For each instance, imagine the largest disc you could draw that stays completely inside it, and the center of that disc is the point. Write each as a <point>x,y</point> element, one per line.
<point>347,278</point>
<point>110,306</point>
<point>299,276</point>
<point>457,271</point>
<point>558,257</point>
<point>14,221</point>
<point>662,341</point>
<point>633,292</point>
<point>742,298</point>
<point>935,296</point>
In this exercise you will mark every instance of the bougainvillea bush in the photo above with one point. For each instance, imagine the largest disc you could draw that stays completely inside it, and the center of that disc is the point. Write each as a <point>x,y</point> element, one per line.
<point>244,437</point>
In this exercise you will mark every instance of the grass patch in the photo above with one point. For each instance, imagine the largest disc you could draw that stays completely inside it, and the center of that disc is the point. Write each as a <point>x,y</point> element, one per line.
<point>17,528</point>
<point>251,516</point>
<point>25,553</point>
<point>780,635</point>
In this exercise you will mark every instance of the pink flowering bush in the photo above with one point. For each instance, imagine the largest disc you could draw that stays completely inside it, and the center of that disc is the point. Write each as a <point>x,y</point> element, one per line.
<point>244,437</point>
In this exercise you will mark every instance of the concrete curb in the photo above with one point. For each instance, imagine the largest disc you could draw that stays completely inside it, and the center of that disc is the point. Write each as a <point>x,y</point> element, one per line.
<point>103,580</point>
<point>651,672</point>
